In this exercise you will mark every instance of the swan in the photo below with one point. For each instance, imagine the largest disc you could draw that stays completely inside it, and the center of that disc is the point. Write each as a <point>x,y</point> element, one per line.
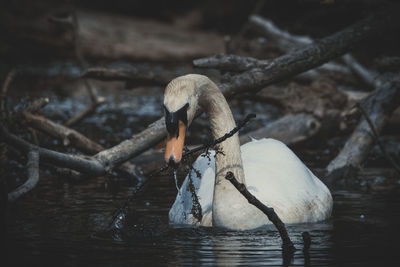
<point>267,167</point>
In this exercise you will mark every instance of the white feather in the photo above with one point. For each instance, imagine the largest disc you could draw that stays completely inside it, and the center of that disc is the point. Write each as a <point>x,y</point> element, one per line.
<point>274,174</point>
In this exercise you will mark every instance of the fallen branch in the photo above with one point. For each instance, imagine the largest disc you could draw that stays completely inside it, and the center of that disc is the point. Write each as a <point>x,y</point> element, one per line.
<point>33,177</point>
<point>288,42</point>
<point>86,165</point>
<point>309,56</point>
<point>271,214</point>
<point>289,129</point>
<point>378,107</point>
<point>67,135</point>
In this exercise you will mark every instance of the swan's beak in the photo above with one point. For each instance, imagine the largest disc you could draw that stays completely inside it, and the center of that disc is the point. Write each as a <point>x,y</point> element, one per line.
<point>174,148</point>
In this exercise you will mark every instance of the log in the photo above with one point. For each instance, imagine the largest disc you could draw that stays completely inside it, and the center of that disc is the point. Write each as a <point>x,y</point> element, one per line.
<point>378,106</point>
<point>290,129</point>
<point>310,56</point>
<point>67,135</point>
<point>288,42</point>
<point>134,146</point>
<point>83,164</point>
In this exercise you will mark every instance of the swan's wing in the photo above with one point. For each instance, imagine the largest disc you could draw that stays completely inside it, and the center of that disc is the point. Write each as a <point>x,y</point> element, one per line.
<point>202,177</point>
<point>278,178</point>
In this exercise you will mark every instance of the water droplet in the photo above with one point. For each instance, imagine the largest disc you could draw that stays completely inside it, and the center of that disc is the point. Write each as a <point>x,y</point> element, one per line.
<point>176,182</point>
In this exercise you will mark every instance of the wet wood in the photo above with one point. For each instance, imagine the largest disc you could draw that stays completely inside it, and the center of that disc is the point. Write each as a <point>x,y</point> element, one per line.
<point>310,56</point>
<point>134,146</point>
<point>287,42</point>
<point>378,105</point>
<point>33,177</point>
<point>67,135</point>
<point>290,129</point>
<point>271,214</point>
<point>82,164</point>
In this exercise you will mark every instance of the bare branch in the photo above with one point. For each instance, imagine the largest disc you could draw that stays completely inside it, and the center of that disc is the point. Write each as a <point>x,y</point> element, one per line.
<point>289,41</point>
<point>33,176</point>
<point>86,165</point>
<point>289,129</point>
<point>271,214</point>
<point>67,135</point>
<point>378,106</point>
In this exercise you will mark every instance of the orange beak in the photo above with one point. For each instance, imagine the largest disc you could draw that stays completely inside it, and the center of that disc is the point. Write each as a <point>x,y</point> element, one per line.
<point>174,148</point>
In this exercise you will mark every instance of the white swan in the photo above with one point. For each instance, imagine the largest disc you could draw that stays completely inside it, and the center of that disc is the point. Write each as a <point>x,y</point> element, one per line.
<point>270,170</point>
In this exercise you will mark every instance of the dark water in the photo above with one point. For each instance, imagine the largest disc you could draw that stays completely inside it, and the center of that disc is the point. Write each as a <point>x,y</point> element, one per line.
<point>60,224</point>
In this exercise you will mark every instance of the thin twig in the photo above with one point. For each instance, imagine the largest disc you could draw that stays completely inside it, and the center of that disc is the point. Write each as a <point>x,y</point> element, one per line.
<point>33,176</point>
<point>271,214</point>
<point>376,136</point>
<point>208,146</point>
<point>223,138</point>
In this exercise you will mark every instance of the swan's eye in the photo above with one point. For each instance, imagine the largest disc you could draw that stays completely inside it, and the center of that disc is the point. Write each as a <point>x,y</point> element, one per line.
<point>172,119</point>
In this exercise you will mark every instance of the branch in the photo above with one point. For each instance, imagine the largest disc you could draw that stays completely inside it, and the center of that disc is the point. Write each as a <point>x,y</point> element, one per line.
<point>33,177</point>
<point>272,216</point>
<point>309,56</point>
<point>289,129</point>
<point>222,138</point>
<point>289,41</point>
<point>67,135</point>
<point>86,165</point>
<point>378,107</point>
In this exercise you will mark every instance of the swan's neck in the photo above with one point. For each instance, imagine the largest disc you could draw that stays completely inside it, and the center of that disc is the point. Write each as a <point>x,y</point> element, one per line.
<point>227,201</point>
<point>222,122</point>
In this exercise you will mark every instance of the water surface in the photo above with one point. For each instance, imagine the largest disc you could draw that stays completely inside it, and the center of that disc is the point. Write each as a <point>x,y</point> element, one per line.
<point>63,224</point>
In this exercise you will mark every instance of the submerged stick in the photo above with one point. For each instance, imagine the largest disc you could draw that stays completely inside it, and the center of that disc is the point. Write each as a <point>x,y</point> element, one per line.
<point>33,177</point>
<point>271,214</point>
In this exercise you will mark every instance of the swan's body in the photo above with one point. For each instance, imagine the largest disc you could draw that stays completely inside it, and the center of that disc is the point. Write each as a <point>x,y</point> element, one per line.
<point>270,170</point>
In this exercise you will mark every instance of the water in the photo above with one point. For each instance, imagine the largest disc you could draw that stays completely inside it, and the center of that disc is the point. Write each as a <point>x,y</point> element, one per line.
<point>62,224</point>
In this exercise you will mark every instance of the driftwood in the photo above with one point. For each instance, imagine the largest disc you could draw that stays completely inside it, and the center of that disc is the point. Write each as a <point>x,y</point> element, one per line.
<point>288,42</point>
<point>271,214</point>
<point>289,129</point>
<point>310,56</point>
<point>378,106</point>
<point>67,135</point>
<point>33,177</point>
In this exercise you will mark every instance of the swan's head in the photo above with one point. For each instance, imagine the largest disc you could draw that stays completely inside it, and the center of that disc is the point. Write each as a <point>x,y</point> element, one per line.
<point>180,105</point>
